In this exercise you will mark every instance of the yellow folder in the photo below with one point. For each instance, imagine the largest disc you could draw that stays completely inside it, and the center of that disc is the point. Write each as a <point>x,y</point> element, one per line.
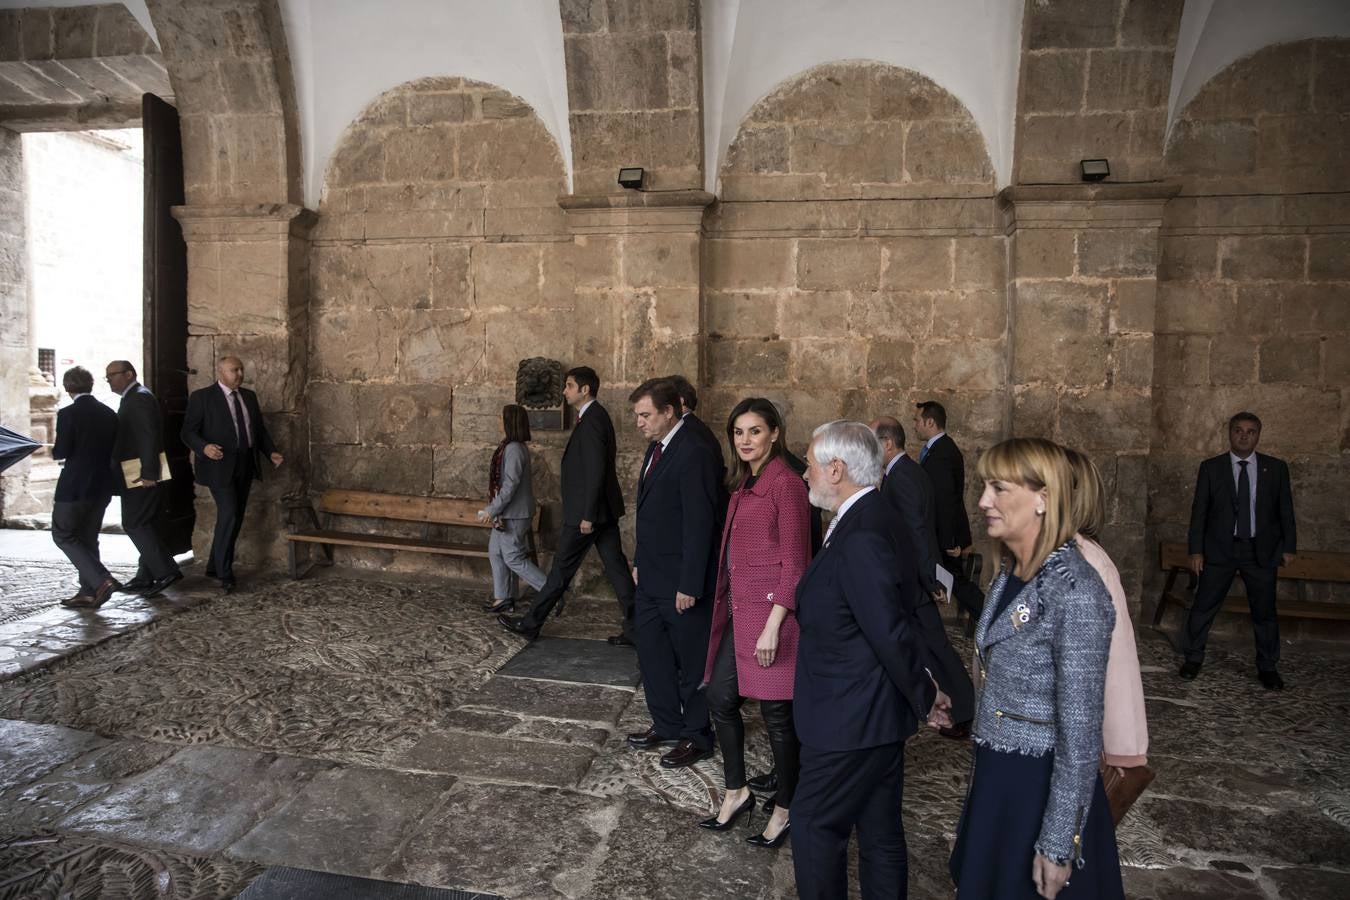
<point>131,470</point>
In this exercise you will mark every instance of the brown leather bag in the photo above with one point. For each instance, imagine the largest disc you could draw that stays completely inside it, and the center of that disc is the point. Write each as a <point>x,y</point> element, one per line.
<point>1123,787</point>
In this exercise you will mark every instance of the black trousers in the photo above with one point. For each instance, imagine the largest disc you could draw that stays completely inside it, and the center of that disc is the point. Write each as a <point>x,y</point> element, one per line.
<point>572,547</point>
<point>724,706</point>
<point>841,790</point>
<point>1215,580</point>
<point>75,527</point>
<point>140,507</point>
<point>948,669</point>
<point>231,501</point>
<point>672,649</point>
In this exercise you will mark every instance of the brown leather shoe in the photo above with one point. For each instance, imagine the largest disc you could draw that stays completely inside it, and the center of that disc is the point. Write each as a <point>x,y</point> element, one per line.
<point>105,591</point>
<point>79,601</point>
<point>684,754</point>
<point>648,740</point>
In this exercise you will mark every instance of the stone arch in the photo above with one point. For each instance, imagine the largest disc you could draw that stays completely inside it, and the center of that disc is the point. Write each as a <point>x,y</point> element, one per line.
<point>1272,122</point>
<point>230,69</point>
<point>857,129</point>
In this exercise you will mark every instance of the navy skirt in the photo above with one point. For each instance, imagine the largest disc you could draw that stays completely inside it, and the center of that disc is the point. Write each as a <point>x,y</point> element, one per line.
<point>996,838</point>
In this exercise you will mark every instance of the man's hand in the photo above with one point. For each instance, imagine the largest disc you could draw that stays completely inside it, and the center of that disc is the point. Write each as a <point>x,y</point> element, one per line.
<point>1048,877</point>
<point>940,716</point>
<point>940,596</point>
<point>1197,563</point>
<point>481,515</point>
<point>766,648</point>
<point>682,601</point>
<point>1287,557</point>
<point>277,459</point>
<point>955,552</point>
<point>586,526</point>
<point>634,574</point>
<point>213,451</point>
<point>147,482</point>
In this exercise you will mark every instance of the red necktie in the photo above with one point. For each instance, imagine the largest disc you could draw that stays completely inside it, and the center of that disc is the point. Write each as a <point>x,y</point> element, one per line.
<point>656,458</point>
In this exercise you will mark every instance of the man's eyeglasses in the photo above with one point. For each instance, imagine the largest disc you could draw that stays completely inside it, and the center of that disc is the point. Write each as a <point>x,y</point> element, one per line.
<point>109,376</point>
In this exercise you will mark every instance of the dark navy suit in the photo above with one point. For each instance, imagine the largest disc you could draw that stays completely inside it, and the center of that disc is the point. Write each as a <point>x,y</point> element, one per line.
<point>85,432</point>
<point>860,691</point>
<point>909,493</point>
<point>676,536</point>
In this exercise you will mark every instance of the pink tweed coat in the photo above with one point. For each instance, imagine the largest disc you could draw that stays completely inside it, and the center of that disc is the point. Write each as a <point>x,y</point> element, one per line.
<point>769,532</point>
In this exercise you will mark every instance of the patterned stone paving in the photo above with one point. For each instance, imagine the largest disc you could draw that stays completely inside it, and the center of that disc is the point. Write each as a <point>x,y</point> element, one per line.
<point>379,740</point>
<point>30,586</point>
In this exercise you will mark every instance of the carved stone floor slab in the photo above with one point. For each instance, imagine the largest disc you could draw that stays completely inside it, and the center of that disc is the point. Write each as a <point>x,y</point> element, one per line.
<point>573,659</point>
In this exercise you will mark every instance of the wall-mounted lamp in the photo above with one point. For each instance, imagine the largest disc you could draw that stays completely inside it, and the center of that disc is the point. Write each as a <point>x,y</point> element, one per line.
<point>631,178</point>
<point>1094,169</point>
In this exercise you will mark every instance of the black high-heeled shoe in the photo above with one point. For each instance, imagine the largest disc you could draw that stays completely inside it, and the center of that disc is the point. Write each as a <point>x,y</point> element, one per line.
<point>714,825</point>
<point>499,606</point>
<point>759,840</point>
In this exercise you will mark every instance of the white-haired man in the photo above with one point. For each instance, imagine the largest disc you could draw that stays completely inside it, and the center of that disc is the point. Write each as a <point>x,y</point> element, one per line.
<point>860,687</point>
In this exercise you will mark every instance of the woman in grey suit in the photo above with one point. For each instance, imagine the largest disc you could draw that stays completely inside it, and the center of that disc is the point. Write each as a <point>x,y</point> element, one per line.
<point>511,508</point>
<point>1036,812</point>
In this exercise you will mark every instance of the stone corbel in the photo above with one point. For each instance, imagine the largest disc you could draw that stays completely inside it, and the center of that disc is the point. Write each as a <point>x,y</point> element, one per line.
<point>636,212</point>
<point>264,220</point>
<point>1136,205</point>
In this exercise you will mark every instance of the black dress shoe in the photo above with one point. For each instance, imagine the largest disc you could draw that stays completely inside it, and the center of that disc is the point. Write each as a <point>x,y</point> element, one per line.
<point>648,740</point>
<point>759,840</point>
<point>137,584</point>
<point>764,784</point>
<point>227,586</point>
<point>1271,679</point>
<point>713,825</point>
<point>958,732</point>
<point>619,640</point>
<point>493,605</point>
<point>517,626</point>
<point>686,753</point>
<point>157,586</point>
<point>1189,670</point>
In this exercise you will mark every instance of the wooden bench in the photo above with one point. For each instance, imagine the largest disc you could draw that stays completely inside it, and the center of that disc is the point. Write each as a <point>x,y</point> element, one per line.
<point>1307,566</point>
<point>429,511</point>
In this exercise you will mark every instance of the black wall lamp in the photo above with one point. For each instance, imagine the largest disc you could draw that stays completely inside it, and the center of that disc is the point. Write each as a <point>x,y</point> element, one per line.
<point>1094,169</point>
<point>631,177</point>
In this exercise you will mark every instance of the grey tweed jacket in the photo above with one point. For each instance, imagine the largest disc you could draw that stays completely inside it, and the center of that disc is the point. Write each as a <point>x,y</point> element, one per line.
<point>1043,662</point>
<point>515,500</point>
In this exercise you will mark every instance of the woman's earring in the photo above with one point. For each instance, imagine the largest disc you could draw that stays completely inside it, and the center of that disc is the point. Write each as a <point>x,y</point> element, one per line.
<point>1040,512</point>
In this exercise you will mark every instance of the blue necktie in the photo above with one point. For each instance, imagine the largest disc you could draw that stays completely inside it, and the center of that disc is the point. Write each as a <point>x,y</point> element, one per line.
<point>923,454</point>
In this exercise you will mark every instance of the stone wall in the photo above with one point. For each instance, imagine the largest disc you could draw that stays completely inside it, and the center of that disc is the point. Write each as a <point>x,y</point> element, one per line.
<point>855,263</point>
<point>1094,84</point>
<point>440,259</point>
<point>16,352</point>
<point>1254,287</point>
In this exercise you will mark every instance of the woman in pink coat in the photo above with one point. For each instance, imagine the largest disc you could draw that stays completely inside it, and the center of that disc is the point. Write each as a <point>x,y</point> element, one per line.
<point>1124,721</point>
<point>752,652</point>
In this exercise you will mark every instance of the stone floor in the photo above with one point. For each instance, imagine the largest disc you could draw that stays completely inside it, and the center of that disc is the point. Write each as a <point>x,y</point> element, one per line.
<point>389,730</point>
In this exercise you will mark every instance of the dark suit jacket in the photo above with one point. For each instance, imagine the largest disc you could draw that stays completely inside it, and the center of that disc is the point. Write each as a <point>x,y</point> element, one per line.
<point>590,485</point>
<point>677,520</point>
<point>209,421</point>
<point>1214,511</point>
<point>85,433</point>
<point>946,468</point>
<point>140,433</point>
<point>705,435</point>
<point>860,681</point>
<point>910,493</point>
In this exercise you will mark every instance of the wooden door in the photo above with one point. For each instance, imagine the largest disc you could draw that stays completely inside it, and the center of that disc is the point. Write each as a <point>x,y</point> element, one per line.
<point>166,311</point>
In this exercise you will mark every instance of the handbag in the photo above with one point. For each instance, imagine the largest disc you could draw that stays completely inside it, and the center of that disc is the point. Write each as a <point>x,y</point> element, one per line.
<point>1123,787</point>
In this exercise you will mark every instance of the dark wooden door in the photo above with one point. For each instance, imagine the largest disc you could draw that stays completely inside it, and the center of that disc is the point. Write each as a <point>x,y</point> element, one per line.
<point>166,311</point>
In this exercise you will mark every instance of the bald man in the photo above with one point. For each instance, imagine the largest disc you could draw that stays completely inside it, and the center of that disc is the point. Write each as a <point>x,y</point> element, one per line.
<point>224,427</point>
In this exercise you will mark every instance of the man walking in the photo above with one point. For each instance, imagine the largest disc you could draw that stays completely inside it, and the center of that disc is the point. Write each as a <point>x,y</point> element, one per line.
<point>861,688</point>
<point>592,507</point>
<point>675,570</point>
<point>85,433</point>
<point>1242,523</point>
<point>942,461</point>
<point>225,429</point>
<point>140,441</point>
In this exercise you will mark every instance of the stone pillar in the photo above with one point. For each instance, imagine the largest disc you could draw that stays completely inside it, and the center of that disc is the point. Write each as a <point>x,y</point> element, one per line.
<point>16,352</point>
<point>1082,289</point>
<point>247,297</point>
<point>635,91</point>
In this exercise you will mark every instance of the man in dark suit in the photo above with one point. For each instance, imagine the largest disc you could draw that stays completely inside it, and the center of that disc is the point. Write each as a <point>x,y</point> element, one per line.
<point>941,459</point>
<point>909,493</point>
<point>688,405</point>
<point>861,689</point>
<point>140,437</point>
<point>592,507</point>
<point>1242,522</point>
<point>224,427</point>
<point>85,433</point>
<point>675,568</point>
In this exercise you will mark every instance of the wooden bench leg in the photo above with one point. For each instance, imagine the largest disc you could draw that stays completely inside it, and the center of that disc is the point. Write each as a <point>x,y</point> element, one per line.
<point>1163,597</point>
<point>292,565</point>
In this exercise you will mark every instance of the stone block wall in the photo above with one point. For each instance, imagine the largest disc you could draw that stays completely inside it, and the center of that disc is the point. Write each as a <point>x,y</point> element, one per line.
<point>1254,285</point>
<point>1094,84</point>
<point>635,91</point>
<point>16,352</point>
<point>854,264</point>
